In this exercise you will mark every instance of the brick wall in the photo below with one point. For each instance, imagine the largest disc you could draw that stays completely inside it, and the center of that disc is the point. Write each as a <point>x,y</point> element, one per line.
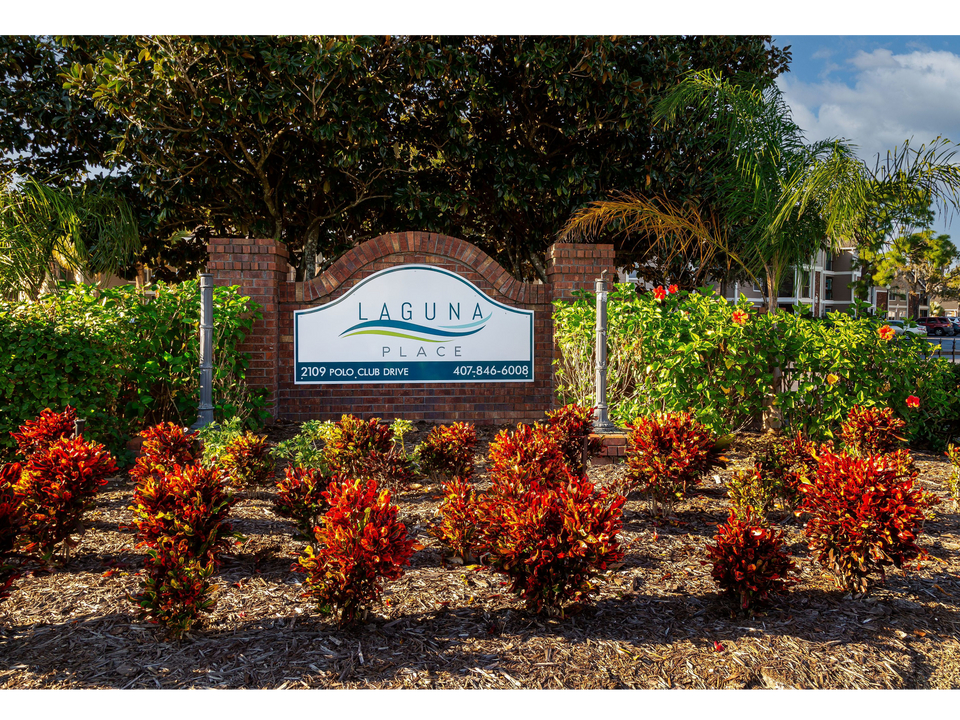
<point>260,268</point>
<point>572,266</point>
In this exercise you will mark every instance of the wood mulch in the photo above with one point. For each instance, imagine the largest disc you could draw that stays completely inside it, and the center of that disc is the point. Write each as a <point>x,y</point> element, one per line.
<point>657,622</point>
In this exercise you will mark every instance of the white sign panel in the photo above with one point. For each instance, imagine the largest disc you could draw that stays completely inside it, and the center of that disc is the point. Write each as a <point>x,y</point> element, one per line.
<point>413,324</point>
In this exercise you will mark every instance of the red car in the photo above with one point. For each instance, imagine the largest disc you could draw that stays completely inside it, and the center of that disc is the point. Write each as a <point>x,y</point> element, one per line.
<point>936,325</point>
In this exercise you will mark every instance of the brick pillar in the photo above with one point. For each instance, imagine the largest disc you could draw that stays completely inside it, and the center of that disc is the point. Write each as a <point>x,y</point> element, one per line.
<point>258,267</point>
<point>575,266</point>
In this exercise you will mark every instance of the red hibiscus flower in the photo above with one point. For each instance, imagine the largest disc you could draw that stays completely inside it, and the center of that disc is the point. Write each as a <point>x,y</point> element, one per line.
<point>673,289</point>
<point>913,401</point>
<point>887,332</point>
<point>740,317</point>
<point>659,293</point>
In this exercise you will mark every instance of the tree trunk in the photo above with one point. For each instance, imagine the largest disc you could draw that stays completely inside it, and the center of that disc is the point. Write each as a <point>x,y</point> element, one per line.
<point>307,270</point>
<point>773,287</point>
<point>538,266</point>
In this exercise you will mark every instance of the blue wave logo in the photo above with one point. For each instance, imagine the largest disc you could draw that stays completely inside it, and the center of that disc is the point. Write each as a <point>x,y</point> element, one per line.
<point>413,331</point>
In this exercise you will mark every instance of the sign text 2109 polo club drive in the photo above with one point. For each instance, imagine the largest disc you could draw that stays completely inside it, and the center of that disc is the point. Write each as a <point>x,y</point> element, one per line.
<point>413,324</point>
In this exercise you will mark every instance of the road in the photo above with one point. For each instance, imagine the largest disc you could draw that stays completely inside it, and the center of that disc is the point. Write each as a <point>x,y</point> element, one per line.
<point>949,346</point>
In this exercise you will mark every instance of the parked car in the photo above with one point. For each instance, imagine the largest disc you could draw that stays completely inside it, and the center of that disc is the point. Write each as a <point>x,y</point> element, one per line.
<point>937,326</point>
<point>900,327</point>
<point>956,324</point>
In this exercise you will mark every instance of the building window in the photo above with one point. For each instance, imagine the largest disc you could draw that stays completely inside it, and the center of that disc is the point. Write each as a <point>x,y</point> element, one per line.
<point>804,284</point>
<point>828,263</point>
<point>786,286</point>
<point>828,288</point>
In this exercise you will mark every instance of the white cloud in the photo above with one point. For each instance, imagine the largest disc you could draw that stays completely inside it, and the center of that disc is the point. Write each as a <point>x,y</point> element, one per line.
<point>913,96</point>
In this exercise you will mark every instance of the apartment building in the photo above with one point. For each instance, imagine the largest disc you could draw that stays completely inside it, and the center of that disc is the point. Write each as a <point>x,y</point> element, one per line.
<point>823,284</point>
<point>903,304</point>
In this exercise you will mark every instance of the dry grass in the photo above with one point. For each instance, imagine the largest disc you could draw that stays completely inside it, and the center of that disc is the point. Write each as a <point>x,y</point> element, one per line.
<point>657,622</point>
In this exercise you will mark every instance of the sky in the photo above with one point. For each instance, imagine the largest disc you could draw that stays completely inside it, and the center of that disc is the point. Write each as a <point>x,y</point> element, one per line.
<point>876,92</point>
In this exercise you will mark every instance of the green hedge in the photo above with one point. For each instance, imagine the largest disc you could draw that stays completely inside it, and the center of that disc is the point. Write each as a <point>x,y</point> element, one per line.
<point>686,353</point>
<point>123,360</point>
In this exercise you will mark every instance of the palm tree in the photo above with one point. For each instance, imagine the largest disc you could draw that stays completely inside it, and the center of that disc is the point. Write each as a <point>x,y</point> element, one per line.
<point>903,189</point>
<point>93,233</point>
<point>780,198</point>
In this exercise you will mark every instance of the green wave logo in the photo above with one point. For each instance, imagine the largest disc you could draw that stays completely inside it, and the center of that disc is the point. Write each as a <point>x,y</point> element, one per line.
<point>413,331</point>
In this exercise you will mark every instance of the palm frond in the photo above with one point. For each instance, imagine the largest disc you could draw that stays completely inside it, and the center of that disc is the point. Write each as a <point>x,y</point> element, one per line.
<point>94,233</point>
<point>671,230</point>
<point>930,170</point>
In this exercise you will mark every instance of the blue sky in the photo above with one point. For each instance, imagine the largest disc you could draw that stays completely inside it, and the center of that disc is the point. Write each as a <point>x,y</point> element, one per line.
<point>876,92</point>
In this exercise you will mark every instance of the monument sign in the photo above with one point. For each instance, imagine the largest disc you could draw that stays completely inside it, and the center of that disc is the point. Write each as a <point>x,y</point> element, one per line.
<point>413,324</point>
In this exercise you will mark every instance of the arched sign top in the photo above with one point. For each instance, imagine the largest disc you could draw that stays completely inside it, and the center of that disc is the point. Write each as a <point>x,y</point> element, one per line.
<point>413,324</point>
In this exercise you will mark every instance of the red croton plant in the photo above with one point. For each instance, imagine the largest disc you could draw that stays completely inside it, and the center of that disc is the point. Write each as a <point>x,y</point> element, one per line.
<point>365,448</point>
<point>300,497</point>
<point>872,431</point>
<point>572,426</point>
<point>552,539</point>
<point>668,452</point>
<point>529,455</point>
<point>457,529</point>
<point>447,451</point>
<point>866,514</point>
<point>549,530</point>
<point>180,518</point>
<point>359,544</point>
<point>247,460</point>
<point>47,427</point>
<point>164,447</point>
<point>56,487</point>
<point>749,562</point>
<point>44,498</point>
<point>11,522</point>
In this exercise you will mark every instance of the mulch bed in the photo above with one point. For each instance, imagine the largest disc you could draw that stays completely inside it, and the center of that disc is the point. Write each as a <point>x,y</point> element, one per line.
<point>657,622</point>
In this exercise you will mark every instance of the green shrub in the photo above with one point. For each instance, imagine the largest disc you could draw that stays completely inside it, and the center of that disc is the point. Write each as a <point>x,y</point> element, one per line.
<point>682,354</point>
<point>698,353</point>
<point>51,360</point>
<point>122,362</point>
<point>866,370</point>
<point>306,449</point>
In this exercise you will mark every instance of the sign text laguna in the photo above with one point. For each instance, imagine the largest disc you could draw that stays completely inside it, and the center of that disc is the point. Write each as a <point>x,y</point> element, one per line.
<point>413,324</point>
